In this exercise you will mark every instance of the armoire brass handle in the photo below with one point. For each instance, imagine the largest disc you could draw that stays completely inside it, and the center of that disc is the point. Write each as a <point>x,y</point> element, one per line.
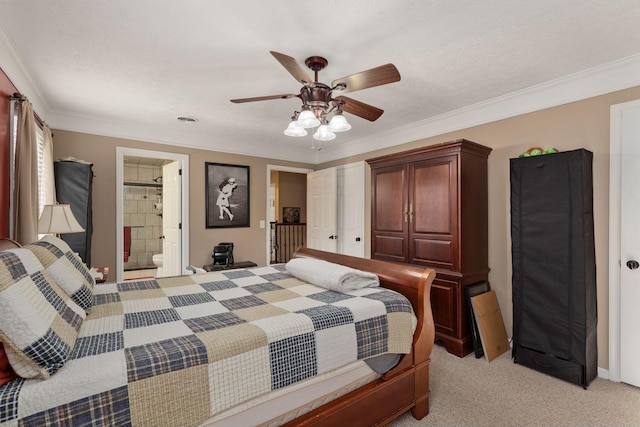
<point>404,212</point>
<point>411,212</point>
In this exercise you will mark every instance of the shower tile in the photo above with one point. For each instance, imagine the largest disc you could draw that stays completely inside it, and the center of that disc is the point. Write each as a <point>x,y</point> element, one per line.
<point>138,245</point>
<point>130,173</point>
<point>154,245</point>
<point>145,173</point>
<point>152,219</point>
<point>138,219</point>
<point>130,206</point>
<point>145,206</point>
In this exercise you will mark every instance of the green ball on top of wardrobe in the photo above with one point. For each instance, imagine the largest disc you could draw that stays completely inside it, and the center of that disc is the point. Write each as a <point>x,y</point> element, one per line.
<point>537,151</point>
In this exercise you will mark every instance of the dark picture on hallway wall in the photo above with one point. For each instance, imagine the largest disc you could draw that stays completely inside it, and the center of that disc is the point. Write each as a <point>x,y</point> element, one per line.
<point>226,195</point>
<point>291,215</point>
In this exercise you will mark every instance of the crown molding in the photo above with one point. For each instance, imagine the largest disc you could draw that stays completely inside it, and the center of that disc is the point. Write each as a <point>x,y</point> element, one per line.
<point>610,77</point>
<point>13,67</point>
<point>168,136</point>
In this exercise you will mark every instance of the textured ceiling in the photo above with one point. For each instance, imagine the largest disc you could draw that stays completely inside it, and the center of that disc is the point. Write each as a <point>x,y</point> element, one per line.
<point>129,68</point>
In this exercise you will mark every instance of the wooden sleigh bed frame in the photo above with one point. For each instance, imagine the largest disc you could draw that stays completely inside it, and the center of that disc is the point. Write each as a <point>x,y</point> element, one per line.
<point>405,387</point>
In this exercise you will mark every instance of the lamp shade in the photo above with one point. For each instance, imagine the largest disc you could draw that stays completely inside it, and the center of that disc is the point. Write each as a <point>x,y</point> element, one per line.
<point>339,123</point>
<point>307,119</point>
<point>294,130</point>
<point>58,219</point>
<point>323,133</point>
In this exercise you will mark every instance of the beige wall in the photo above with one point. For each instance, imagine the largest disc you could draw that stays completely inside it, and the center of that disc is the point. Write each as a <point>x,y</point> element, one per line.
<point>292,190</point>
<point>250,243</point>
<point>583,124</point>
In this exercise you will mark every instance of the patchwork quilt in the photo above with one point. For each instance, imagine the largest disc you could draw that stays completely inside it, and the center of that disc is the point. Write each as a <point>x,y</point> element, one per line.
<point>176,351</point>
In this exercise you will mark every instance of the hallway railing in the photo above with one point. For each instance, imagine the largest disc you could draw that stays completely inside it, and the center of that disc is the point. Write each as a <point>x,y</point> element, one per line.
<point>285,239</point>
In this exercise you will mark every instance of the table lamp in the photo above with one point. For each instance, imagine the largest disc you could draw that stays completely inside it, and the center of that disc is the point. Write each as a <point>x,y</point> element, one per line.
<point>58,219</point>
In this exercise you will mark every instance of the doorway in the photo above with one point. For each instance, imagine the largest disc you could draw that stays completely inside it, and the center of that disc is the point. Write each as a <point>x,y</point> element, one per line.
<point>349,191</point>
<point>271,203</point>
<point>146,193</point>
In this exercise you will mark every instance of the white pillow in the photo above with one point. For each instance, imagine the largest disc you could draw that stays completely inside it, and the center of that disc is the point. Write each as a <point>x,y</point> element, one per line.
<point>66,268</point>
<point>39,322</point>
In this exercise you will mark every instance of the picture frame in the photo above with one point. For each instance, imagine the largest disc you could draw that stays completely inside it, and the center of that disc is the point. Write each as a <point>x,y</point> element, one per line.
<point>470,292</point>
<point>227,195</point>
<point>291,215</point>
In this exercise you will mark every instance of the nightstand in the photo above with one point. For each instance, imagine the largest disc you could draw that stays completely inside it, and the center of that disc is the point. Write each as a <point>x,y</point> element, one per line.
<point>105,274</point>
<point>220,267</point>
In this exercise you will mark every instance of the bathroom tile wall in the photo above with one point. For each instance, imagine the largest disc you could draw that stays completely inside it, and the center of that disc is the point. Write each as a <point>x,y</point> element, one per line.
<point>141,213</point>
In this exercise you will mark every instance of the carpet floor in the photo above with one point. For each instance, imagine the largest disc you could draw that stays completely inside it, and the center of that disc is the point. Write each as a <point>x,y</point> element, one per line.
<point>473,392</point>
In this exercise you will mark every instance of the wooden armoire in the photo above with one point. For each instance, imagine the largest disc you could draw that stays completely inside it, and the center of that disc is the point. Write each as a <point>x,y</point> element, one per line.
<point>430,208</point>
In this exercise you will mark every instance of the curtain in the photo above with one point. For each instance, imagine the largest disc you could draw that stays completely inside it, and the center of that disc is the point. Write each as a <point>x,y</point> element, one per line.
<point>26,177</point>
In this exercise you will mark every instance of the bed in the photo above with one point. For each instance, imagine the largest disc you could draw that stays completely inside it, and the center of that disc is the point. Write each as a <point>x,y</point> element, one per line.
<point>209,374</point>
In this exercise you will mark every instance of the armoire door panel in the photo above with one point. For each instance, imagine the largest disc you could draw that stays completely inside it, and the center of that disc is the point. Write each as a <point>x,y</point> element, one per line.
<point>390,246</point>
<point>437,253</point>
<point>443,298</point>
<point>389,200</point>
<point>431,195</point>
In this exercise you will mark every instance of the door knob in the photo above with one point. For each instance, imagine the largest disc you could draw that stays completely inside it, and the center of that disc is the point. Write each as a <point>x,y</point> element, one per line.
<point>633,264</point>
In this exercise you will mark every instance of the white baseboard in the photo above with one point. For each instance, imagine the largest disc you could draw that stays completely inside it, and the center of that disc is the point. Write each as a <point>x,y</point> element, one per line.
<point>603,373</point>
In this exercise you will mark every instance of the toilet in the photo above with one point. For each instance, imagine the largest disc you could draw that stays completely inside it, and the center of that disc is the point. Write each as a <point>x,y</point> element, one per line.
<point>157,260</point>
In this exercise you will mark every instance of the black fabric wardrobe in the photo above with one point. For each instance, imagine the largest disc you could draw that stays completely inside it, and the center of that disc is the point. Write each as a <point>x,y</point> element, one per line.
<point>554,271</point>
<point>74,180</point>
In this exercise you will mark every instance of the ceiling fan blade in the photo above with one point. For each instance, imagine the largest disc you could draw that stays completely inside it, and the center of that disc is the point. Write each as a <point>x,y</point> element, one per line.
<point>360,109</point>
<point>264,98</point>
<point>377,76</point>
<point>293,68</point>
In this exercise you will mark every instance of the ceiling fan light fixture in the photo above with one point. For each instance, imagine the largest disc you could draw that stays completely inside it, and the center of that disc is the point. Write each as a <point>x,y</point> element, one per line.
<point>294,130</point>
<point>318,103</point>
<point>324,134</point>
<point>307,119</point>
<point>339,123</point>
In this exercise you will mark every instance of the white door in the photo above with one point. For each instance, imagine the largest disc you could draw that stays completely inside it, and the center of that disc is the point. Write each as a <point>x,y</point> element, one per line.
<point>271,201</point>
<point>351,209</point>
<point>630,247</point>
<point>322,198</point>
<point>171,219</point>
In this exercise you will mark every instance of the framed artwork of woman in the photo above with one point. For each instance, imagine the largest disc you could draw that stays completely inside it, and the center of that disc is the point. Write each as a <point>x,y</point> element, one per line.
<point>226,195</point>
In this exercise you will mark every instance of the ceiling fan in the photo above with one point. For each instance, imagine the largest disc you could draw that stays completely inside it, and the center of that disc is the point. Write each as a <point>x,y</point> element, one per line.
<point>321,102</point>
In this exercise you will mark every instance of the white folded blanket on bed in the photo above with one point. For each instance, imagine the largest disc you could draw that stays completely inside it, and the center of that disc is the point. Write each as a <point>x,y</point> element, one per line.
<point>331,276</point>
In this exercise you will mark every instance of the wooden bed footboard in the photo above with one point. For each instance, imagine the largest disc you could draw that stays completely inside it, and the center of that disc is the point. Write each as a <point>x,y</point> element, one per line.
<point>405,387</point>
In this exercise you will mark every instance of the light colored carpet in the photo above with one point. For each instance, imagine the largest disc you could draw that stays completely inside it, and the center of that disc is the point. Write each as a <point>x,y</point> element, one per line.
<point>473,392</point>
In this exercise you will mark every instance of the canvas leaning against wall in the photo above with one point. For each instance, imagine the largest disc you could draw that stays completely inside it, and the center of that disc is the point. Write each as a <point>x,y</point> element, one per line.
<point>226,195</point>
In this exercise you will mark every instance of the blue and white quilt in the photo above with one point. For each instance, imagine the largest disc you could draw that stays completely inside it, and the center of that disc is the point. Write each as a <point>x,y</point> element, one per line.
<point>176,351</point>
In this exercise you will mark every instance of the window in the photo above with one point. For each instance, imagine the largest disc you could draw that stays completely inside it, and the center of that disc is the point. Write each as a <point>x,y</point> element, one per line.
<point>46,186</point>
<point>43,179</point>
<point>12,165</point>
